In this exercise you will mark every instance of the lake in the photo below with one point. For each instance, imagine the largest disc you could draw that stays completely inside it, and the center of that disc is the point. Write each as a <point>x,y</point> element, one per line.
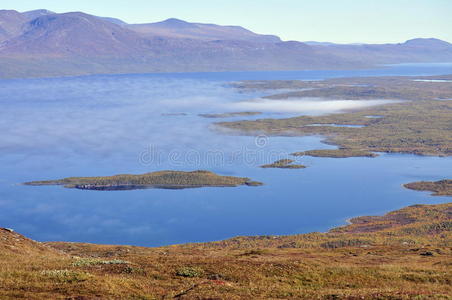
<point>137,123</point>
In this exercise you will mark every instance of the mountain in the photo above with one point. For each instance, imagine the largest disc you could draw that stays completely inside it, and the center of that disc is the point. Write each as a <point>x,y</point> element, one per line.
<point>416,50</point>
<point>43,43</point>
<point>181,29</point>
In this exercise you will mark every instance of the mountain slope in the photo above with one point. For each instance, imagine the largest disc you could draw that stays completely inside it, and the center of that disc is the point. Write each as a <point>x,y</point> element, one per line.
<point>11,23</point>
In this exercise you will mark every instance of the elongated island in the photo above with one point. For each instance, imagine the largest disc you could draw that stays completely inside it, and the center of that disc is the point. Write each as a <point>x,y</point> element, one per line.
<point>160,179</point>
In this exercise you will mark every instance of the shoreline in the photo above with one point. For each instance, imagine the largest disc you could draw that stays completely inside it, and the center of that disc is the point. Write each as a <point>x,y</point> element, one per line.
<point>347,222</point>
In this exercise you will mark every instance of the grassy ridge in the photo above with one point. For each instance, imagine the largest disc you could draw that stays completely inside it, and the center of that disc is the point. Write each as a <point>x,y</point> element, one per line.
<point>161,179</point>
<point>405,254</point>
<point>440,188</point>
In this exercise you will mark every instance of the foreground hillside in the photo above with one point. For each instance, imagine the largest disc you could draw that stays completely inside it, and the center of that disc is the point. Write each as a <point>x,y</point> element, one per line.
<point>403,255</point>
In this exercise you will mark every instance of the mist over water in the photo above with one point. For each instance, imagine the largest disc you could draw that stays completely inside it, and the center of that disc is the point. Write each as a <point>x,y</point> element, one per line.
<point>307,106</point>
<point>106,125</point>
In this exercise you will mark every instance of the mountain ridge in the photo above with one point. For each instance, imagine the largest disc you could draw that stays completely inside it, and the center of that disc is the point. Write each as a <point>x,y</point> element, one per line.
<point>42,43</point>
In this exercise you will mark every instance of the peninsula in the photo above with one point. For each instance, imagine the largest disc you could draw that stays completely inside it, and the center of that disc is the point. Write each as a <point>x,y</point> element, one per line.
<point>439,188</point>
<point>419,124</point>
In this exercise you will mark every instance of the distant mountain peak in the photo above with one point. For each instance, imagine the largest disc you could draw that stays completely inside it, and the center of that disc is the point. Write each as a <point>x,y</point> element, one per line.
<point>175,23</point>
<point>39,11</point>
<point>33,14</point>
<point>427,42</point>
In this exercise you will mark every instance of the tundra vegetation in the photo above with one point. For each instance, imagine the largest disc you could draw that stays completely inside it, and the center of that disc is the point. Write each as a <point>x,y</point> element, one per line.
<point>405,254</point>
<point>160,179</point>
<point>358,88</point>
<point>422,125</point>
<point>439,188</point>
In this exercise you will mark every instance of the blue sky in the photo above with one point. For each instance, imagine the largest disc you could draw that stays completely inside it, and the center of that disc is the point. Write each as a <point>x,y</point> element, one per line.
<point>343,21</point>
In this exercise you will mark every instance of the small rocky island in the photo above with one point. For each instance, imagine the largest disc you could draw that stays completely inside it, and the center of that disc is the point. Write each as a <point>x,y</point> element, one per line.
<point>439,188</point>
<point>284,164</point>
<point>160,179</point>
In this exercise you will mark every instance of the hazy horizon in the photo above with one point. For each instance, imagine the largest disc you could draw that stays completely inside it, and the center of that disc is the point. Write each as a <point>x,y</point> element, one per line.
<point>323,21</point>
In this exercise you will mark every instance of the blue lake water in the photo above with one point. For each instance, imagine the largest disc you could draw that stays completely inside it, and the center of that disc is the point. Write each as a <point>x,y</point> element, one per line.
<point>105,125</point>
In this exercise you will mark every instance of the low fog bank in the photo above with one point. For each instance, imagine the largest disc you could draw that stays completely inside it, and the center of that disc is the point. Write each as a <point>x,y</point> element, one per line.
<point>307,106</point>
<point>119,116</point>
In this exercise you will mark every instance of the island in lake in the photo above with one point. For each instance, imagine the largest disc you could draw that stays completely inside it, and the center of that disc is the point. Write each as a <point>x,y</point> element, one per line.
<point>160,179</point>
<point>284,164</point>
